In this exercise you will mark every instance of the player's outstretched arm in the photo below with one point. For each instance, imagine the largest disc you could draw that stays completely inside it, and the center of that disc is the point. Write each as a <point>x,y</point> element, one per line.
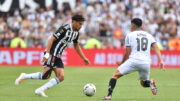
<point>155,48</point>
<point>81,54</point>
<point>48,47</point>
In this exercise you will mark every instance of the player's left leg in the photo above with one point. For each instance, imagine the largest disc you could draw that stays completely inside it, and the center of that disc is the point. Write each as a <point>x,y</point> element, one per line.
<point>38,75</point>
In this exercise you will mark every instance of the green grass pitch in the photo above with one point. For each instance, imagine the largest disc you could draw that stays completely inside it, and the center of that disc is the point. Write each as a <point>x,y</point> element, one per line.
<point>127,89</point>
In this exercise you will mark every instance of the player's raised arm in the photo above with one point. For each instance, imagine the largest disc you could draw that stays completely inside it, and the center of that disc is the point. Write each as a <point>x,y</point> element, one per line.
<point>155,48</point>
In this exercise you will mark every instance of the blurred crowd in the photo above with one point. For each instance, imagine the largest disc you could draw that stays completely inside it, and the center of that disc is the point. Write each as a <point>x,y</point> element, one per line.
<point>107,23</point>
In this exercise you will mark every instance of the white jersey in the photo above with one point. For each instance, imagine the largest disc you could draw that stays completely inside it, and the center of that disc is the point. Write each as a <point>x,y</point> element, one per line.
<point>140,43</point>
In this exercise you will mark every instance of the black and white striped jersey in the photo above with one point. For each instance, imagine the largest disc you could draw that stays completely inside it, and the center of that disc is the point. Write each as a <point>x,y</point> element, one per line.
<point>64,35</point>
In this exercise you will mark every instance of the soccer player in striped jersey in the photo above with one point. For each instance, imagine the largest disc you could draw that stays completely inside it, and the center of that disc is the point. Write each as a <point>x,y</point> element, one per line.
<point>136,58</point>
<point>52,59</point>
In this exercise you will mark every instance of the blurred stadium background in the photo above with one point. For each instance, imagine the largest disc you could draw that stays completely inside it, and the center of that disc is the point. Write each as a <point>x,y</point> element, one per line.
<point>25,26</point>
<point>108,21</point>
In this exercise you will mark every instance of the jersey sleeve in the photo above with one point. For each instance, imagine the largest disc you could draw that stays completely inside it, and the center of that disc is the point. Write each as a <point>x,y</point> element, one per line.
<point>58,33</point>
<point>152,40</point>
<point>127,41</point>
<point>76,40</point>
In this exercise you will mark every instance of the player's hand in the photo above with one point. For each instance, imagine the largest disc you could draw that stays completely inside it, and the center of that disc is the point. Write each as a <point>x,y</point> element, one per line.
<point>44,60</point>
<point>161,65</point>
<point>86,61</point>
<point>118,63</point>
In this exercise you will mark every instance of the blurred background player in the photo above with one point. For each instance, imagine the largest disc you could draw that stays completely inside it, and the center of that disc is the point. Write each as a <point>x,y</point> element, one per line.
<point>137,57</point>
<point>52,59</point>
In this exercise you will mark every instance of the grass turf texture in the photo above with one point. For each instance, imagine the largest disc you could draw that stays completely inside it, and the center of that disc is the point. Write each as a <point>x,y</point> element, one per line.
<point>127,88</point>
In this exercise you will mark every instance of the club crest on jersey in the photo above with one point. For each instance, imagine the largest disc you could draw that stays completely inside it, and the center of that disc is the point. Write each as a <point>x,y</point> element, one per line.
<point>61,31</point>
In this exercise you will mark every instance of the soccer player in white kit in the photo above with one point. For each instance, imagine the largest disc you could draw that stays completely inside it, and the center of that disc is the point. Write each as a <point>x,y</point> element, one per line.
<point>136,58</point>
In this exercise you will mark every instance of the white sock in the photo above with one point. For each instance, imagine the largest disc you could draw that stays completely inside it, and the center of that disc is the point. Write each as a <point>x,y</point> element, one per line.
<point>37,75</point>
<point>51,83</point>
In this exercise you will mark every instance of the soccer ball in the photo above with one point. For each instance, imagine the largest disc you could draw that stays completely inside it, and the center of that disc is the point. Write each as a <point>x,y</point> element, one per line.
<point>89,89</point>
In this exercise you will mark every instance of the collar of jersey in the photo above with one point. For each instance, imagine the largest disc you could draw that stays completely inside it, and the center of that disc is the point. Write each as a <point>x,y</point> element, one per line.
<point>71,26</point>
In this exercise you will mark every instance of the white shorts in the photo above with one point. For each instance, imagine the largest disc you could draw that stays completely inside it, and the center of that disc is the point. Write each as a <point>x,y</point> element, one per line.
<point>129,66</point>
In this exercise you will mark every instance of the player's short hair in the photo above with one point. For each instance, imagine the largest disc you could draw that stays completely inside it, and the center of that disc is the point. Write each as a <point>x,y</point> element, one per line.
<point>137,22</point>
<point>78,17</point>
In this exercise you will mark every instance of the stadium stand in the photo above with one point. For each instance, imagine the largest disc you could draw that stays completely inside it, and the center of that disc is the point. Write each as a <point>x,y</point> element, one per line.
<point>106,20</point>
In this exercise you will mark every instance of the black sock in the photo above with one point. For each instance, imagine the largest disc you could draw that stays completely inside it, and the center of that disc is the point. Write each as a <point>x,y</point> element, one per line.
<point>112,84</point>
<point>146,83</point>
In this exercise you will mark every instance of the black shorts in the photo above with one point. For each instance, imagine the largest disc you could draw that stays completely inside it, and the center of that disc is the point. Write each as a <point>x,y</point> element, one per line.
<point>54,62</point>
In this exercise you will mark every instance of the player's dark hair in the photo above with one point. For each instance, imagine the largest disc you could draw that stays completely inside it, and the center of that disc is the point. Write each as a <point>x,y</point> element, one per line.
<point>137,22</point>
<point>78,17</point>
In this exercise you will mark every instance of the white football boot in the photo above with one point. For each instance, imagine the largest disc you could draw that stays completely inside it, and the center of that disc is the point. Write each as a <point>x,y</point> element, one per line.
<point>153,87</point>
<point>20,79</point>
<point>40,93</point>
<point>107,97</point>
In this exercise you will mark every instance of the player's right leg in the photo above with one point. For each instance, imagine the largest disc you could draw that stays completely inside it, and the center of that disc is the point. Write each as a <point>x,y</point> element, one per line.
<point>144,78</point>
<point>45,75</point>
<point>153,87</point>
<point>126,68</point>
<point>151,84</point>
<point>112,84</point>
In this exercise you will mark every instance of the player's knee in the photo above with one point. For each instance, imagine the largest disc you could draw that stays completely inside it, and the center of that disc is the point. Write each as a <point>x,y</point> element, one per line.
<point>145,83</point>
<point>47,74</point>
<point>116,75</point>
<point>44,77</point>
<point>61,78</point>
